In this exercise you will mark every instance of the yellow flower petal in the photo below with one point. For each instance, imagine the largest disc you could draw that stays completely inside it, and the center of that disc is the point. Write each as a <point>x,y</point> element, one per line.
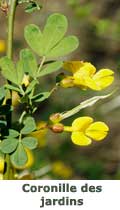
<point>81,123</point>
<point>84,74</point>
<point>79,78</point>
<point>103,73</point>
<point>89,68</point>
<point>97,131</point>
<point>92,84</point>
<point>103,78</point>
<point>104,82</point>
<point>73,66</point>
<point>80,139</point>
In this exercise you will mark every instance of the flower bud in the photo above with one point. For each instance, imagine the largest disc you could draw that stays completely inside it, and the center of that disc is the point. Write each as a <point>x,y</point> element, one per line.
<point>57,128</point>
<point>55,118</point>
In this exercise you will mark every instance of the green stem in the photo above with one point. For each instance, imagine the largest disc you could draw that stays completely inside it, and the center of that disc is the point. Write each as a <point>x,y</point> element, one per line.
<point>41,64</point>
<point>11,17</point>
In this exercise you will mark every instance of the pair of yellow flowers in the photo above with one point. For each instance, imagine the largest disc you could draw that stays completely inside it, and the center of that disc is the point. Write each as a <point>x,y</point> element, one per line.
<point>83,129</point>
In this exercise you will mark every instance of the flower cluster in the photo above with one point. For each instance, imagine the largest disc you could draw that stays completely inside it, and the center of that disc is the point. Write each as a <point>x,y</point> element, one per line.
<point>85,76</point>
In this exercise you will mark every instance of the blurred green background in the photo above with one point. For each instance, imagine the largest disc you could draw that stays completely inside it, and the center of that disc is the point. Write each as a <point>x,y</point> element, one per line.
<point>97,25</point>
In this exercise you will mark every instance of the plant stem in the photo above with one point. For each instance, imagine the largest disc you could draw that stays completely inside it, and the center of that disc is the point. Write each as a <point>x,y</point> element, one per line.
<point>11,17</point>
<point>41,64</point>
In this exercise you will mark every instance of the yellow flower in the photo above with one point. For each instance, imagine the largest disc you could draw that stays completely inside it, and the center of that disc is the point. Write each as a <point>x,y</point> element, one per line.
<point>62,170</point>
<point>2,46</point>
<point>85,76</point>
<point>84,129</point>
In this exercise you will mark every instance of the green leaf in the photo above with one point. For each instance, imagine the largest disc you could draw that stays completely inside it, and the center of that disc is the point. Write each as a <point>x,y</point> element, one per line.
<point>19,157</point>
<point>66,46</point>
<point>19,72</point>
<point>29,125</point>
<point>31,86</point>
<point>2,94</point>
<point>82,105</point>
<point>50,68</point>
<point>29,62</point>
<point>32,6</point>
<point>41,96</point>
<point>30,142</point>
<point>8,69</point>
<point>51,43</point>
<point>33,37</point>
<point>13,133</point>
<point>12,87</point>
<point>53,32</point>
<point>8,145</point>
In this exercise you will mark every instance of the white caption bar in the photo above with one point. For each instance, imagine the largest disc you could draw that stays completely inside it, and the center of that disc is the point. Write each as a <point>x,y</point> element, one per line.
<point>69,194</point>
